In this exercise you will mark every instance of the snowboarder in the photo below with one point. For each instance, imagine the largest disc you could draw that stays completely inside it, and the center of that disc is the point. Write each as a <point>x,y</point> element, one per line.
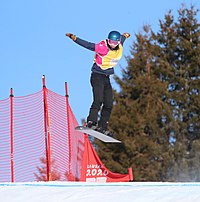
<point>107,54</point>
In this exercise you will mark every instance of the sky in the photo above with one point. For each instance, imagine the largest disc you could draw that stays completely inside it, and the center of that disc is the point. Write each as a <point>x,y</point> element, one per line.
<point>98,192</point>
<point>33,42</point>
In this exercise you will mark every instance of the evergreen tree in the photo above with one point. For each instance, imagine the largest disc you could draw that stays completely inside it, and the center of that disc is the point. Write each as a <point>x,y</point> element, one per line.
<point>156,112</point>
<point>184,89</point>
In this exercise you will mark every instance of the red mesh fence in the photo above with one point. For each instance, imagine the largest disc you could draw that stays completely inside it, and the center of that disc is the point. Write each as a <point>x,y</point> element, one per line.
<point>77,147</point>
<point>65,141</point>
<point>5,167</point>
<point>29,141</point>
<point>31,145</point>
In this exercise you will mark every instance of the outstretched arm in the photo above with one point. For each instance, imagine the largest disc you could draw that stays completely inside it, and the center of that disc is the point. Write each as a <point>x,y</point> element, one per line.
<point>124,37</point>
<point>81,42</point>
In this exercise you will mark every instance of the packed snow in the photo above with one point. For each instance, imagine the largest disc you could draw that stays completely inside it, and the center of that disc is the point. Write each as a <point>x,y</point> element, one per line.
<point>98,192</point>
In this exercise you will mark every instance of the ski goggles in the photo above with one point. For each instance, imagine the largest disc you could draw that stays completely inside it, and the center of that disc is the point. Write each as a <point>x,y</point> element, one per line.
<point>112,42</point>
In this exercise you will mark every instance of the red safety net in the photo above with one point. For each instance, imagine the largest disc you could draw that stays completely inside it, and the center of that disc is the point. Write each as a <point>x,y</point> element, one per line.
<point>25,146</point>
<point>28,135</point>
<point>67,145</point>
<point>5,173</point>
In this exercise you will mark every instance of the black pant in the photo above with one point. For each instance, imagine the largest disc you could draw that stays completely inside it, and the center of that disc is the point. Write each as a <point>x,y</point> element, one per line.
<point>102,99</point>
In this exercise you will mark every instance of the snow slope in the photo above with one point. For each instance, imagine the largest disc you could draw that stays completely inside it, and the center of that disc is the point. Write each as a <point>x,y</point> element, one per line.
<point>99,192</point>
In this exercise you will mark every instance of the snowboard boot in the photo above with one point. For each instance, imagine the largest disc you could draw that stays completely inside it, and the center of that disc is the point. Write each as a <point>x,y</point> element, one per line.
<point>104,131</point>
<point>92,125</point>
<point>108,133</point>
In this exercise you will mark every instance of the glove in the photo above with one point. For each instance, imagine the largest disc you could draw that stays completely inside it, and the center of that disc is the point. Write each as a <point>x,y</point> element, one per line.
<point>71,36</point>
<point>127,35</point>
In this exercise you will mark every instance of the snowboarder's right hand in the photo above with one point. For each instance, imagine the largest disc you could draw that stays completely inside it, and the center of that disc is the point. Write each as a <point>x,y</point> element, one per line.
<point>127,35</point>
<point>71,36</point>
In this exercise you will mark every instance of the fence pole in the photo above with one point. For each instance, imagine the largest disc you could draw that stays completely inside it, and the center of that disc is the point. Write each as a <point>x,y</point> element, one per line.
<point>11,137</point>
<point>69,129</point>
<point>47,131</point>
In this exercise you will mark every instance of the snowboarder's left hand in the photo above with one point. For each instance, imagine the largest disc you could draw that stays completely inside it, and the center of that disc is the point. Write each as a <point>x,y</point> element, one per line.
<point>71,36</point>
<point>127,35</point>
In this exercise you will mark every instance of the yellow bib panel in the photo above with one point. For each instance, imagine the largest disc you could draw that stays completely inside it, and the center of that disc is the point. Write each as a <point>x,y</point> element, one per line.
<point>110,59</point>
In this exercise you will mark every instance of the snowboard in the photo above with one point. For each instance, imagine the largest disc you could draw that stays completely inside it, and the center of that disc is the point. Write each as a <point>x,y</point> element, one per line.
<point>97,134</point>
